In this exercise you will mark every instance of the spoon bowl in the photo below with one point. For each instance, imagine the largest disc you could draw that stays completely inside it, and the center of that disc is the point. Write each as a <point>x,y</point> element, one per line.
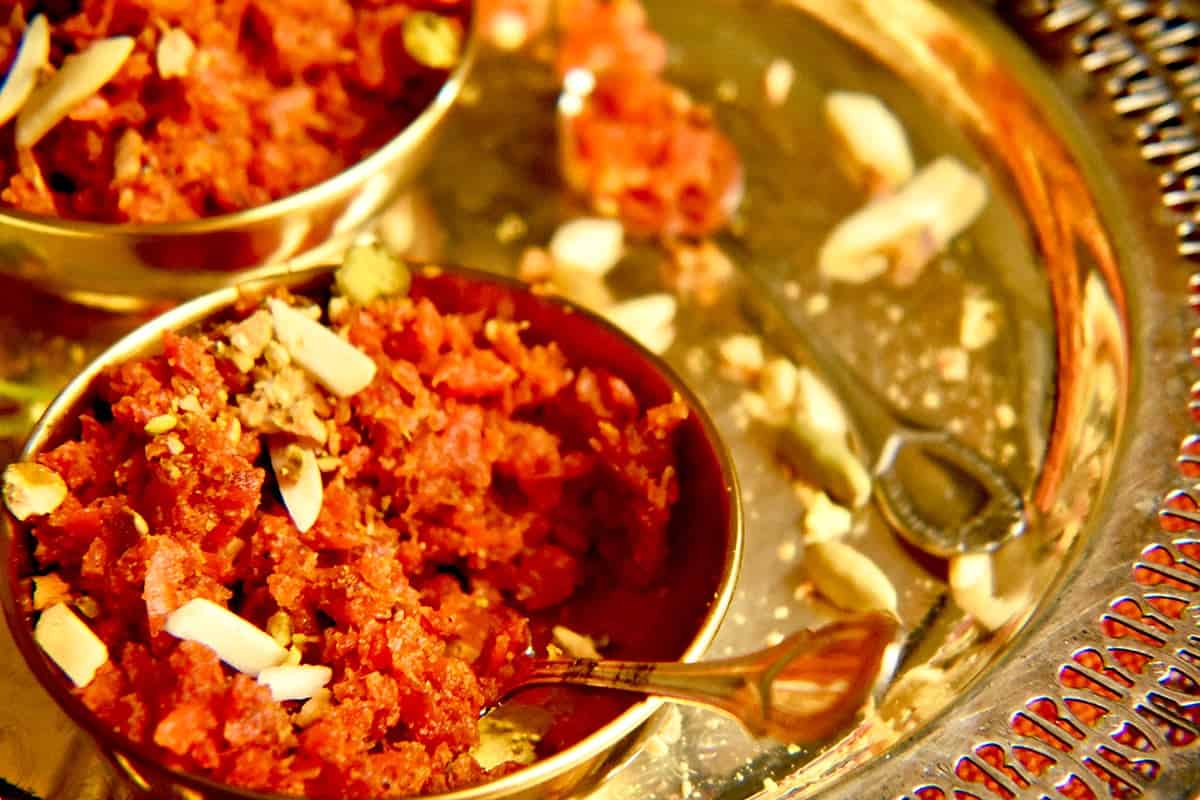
<point>800,691</point>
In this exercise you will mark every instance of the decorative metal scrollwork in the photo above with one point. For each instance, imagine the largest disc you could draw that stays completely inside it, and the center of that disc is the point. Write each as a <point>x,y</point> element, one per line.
<point>1130,692</point>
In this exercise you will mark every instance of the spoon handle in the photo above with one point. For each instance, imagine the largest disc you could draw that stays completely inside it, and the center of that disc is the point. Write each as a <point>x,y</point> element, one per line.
<point>802,690</point>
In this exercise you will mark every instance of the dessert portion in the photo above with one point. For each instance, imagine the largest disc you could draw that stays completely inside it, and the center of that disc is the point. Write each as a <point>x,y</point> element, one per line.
<point>147,112</point>
<point>302,546</point>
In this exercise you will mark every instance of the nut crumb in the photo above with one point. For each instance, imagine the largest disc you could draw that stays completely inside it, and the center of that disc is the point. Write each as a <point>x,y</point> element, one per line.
<point>31,489</point>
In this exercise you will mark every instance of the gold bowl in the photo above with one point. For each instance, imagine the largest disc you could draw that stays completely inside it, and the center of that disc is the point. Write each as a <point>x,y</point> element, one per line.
<point>707,520</point>
<point>125,265</point>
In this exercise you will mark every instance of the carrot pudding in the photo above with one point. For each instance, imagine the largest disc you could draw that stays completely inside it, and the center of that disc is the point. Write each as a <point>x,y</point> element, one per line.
<point>157,111</point>
<point>299,549</point>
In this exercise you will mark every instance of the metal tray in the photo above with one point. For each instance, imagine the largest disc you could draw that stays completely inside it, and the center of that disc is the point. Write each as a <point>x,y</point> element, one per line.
<point>1092,355</point>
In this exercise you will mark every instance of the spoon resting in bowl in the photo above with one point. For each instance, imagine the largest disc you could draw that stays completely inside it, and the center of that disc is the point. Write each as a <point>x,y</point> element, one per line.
<point>802,690</point>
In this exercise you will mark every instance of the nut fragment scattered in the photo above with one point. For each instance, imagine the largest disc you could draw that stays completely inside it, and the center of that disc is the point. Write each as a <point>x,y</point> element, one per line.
<point>295,682</point>
<point>826,460</point>
<point>236,641</point>
<point>173,56</point>
<point>335,363</point>
<point>847,578</point>
<point>871,141</point>
<point>431,39</point>
<point>314,708</point>
<point>742,355</point>
<point>574,644</point>
<point>80,76</point>
<point>980,321</point>
<point>70,643</point>
<point>31,489</point>
<point>993,588</point>
<point>778,383</point>
<point>31,59</point>
<point>907,229</point>
<point>649,319</point>
<point>299,479</point>
<point>127,159</point>
<point>161,424</point>
<point>824,519</point>
<point>818,406</point>
<point>49,590</point>
<point>589,244</point>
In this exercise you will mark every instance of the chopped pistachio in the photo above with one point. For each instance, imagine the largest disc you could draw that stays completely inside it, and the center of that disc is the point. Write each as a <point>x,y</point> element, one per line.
<point>369,271</point>
<point>31,489</point>
<point>431,39</point>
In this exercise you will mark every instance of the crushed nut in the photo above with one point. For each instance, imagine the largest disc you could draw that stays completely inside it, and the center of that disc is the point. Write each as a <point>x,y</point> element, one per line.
<point>314,708</point>
<point>31,489</point>
<point>847,578</point>
<point>870,140</point>
<point>825,519</point>
<point>161,424</point>
<point>649,319</point>
<point>49,590</point>
<point>576,645</point>
<point>742,355</point>
<point>174,53</point>
<point>127,159</point>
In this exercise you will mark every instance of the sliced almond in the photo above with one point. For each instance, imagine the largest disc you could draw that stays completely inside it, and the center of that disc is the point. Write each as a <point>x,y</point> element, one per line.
<point>871,140</point>
<point>847,578</point>
<point>80,77</point>
<point>31,489</point>
<point>298,682</point>
<point>590,244</point>
<point>905,229</point>
<point>335,363</point>
<point>299,478</point>
<point>31,58</point>
<point>70,643</point>
<point>174,53</point>
<point>237,642</point>
<point>649,319</point>
<point>574,644</point>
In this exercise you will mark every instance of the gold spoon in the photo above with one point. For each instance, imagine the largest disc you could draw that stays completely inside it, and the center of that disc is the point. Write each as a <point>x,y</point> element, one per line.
<point>804,689</point>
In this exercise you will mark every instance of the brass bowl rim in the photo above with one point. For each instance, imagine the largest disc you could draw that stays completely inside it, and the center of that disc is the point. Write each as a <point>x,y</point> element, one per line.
<point>146,336</point>
<point>338,184</point>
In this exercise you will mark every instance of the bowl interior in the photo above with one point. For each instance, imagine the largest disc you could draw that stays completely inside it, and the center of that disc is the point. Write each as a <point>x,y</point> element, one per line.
<point>675,618</point>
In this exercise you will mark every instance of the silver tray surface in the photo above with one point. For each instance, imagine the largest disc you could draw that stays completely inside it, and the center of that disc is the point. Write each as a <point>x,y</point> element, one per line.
<point>1084,246</point>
